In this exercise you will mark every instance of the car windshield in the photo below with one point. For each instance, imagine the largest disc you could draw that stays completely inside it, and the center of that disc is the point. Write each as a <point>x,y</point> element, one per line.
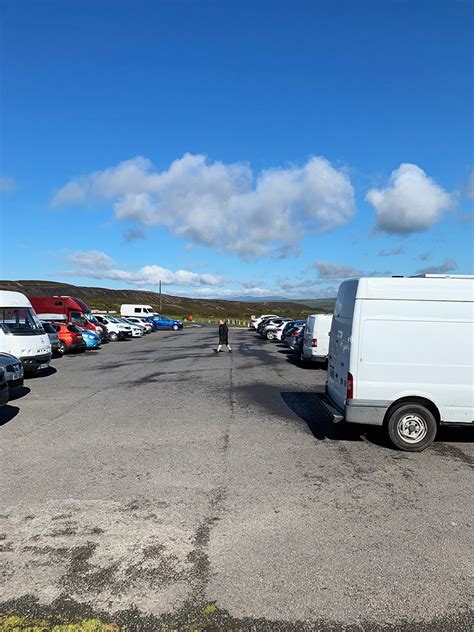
<point>78,317</point>
<point>91,318</point>
<point>20,321</point>
<point>74,329</point>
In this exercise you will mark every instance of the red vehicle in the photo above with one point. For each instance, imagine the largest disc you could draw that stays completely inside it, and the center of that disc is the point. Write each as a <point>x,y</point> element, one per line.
<point>76,311</point>
<point>70,337</point>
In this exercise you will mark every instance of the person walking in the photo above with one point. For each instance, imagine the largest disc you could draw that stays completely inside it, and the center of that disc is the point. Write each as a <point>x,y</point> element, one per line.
<point>223,337</point>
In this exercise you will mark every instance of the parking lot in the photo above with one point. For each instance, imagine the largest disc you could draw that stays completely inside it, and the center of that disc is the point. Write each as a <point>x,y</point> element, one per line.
<point>157,484</point>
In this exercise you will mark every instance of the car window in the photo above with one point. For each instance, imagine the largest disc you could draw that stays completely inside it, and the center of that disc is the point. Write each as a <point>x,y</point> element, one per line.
<point>74,329</point>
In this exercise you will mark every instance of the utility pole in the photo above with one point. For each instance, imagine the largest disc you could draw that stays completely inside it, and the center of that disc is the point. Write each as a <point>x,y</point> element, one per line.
<point>160,297</point>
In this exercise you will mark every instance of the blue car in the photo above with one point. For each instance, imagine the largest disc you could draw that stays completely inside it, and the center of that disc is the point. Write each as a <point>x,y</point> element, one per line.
<point>91,339</point>
<point>163,322</point>
<point>152,322</point>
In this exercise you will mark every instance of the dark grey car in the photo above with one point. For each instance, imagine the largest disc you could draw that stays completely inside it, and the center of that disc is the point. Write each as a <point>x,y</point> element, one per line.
<point>13,369</point>
<point>53,338</point>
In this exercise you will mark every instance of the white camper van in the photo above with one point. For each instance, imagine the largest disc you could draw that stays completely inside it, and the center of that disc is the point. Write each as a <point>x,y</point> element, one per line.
<point>316,338</point>
<point>137,310</point>
<point>401,355</point>
<point>21,332</point>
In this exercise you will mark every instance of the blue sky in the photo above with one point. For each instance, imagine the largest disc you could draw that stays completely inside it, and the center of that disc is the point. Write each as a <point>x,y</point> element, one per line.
<point>235,148</point>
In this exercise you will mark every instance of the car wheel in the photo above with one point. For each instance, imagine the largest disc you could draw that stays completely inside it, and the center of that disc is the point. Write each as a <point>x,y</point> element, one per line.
<point>175,327</point>
<point>62,349</point>
<point>270,335</point>
<point>113,337</point>
<point>411,427</point>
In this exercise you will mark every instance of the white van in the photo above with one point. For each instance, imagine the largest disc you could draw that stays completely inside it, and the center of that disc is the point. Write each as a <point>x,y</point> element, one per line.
<point>21,332</point>
<point>137,310</point>
<point>401,355</point>
<point>316,338</point>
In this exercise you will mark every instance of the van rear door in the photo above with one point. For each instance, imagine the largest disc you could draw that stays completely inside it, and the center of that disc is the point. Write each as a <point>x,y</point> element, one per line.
<point>340,343</point>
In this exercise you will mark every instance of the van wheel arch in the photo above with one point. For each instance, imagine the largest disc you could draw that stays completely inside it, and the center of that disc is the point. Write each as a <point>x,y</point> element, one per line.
<point>413,399</point>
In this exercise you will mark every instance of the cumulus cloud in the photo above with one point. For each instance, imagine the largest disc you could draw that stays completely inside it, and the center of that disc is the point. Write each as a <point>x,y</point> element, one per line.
<point>223,205</point>
<point>411,202</point>
<point>400,250</point>
<point>448,265</point>
<point>98,265</point>
<point>7,185</point>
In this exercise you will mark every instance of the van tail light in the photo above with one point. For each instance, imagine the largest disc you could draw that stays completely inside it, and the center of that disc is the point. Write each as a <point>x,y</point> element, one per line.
<point>350,386</point>
<point>280,329</point>
<point>314,342</point>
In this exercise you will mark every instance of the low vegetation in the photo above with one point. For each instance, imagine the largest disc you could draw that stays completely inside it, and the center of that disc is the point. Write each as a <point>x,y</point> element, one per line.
<point>175,306</point>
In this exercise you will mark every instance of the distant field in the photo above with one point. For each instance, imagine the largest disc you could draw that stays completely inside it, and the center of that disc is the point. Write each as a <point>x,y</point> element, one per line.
<point>177,306</point>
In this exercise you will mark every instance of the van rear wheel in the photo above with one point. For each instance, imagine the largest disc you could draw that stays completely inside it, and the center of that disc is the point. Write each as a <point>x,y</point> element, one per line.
<point>412,427</point>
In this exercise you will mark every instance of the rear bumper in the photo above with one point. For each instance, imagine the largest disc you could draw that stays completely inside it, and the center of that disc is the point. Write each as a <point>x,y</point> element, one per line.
<point>79,346</point>
<point>313,356</point>
<point>33,363</point>
<point>366,412</point>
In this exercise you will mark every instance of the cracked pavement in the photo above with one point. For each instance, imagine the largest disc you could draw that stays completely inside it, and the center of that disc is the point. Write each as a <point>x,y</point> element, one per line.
<point>154,477</point>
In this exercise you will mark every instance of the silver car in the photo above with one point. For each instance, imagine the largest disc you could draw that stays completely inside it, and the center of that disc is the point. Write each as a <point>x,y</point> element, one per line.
<point>13,369</point>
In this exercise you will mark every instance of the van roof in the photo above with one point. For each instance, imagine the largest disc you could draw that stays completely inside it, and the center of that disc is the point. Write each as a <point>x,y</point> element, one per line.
<point>13,299</point>
<point>422,288</point>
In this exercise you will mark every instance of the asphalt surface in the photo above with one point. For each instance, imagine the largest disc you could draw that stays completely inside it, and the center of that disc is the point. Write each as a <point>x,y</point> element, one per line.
<point>155,483</point>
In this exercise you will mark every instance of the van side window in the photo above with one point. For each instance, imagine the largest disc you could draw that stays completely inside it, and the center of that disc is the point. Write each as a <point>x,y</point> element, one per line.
<point>58,302</point>
<point>137,310</point>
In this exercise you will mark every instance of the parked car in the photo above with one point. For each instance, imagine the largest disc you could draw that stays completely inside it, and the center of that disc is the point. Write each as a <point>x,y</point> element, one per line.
<point>264,322</point>
<point>255,321</point>
<point>269,330</point>
<point>116,330</point>
<point>21,332</point>
<point>4,395</point>
<point>140,322</point>
<point>137,310</point>
<point>67,309</point>
<point>298,345</point>
<point>13,369</point>
<point>137,332</point>
<point>401,356</point>
<point>316,338</point>
<point>163,322</point>
<point>285,326</point>
<point>53,338</point>
<point>291,335</point>
<point>70,337</point>
<point>91,338</point>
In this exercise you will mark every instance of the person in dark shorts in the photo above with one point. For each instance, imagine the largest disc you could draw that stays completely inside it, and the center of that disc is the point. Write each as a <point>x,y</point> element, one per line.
<point>223,337</point>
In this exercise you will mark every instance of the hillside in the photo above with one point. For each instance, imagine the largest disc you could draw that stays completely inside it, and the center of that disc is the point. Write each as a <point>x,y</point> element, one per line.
<point>108,299</point>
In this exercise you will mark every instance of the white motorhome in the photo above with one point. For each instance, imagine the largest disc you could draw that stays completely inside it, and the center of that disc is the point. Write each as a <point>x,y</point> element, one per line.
<point>316,338</point>
<point>137,310</point>
<point>21,332</point>
<point>401,355</point>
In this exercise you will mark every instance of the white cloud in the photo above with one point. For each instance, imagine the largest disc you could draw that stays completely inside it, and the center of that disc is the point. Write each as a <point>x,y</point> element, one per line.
<point>411,202</point>
<point>7,185</point>
<point>223,205</point>
<point>448,265</point>
<point>98,265</point>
